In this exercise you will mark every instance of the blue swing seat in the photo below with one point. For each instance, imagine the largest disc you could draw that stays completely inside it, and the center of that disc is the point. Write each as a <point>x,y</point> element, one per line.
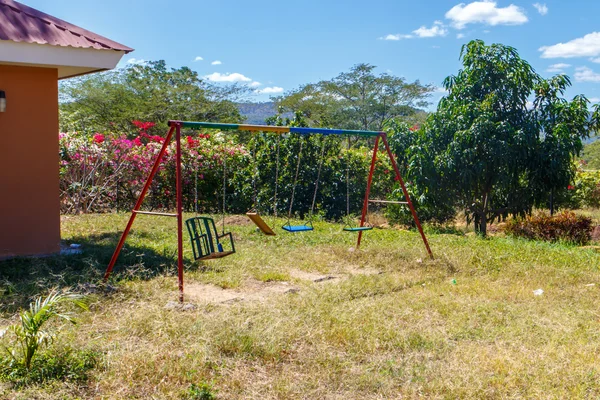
<point>297,228</point>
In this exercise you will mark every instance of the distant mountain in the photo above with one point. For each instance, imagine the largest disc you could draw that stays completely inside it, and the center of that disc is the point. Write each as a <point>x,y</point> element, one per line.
<point>256,113</point>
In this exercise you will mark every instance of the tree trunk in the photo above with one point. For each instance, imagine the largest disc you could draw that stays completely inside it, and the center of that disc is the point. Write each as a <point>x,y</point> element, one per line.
<point>483,224</point>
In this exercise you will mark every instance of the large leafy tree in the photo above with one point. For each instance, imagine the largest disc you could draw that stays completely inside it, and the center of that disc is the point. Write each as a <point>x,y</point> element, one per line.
<point>148,92</point>
<point>358,99</point>
<point>491,151</point>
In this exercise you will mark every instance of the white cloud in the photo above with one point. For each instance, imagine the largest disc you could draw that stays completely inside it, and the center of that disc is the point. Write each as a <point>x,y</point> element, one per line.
<point>234,77</point>
<point>587,46</point>
<point>558,67</point>
<point>485,12</point>
<point>585,74</point>
<point>595,60</point>
<point>397,36</point>
<point>135,61</point>
<point>437,29</point>
<point>270,90</point>
<point>255,84</point>
<point>198,59</point>
<point>541,8</point>
<point>460,35</point>
<point>216,62</point>
<point>594,100</point>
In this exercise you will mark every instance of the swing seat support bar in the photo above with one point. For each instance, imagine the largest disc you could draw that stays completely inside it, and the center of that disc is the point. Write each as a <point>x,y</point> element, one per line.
<point>160,214</point>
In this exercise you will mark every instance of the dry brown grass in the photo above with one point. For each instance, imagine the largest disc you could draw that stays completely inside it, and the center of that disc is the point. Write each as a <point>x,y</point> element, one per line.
<point>400,330</point>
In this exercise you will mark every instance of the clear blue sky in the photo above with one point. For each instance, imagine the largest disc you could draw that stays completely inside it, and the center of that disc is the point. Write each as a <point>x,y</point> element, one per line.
<point>282,44</point>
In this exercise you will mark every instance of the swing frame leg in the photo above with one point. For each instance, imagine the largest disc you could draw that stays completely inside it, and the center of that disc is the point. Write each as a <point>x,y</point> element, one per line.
<point>383,137</point>
<point>175,127</point>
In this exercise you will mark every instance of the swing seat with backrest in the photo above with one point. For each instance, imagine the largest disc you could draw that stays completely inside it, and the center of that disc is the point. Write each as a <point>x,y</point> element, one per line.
<point>206,242</point>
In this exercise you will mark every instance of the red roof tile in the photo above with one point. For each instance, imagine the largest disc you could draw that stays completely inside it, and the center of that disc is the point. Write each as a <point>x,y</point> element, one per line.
<point>20,23</point>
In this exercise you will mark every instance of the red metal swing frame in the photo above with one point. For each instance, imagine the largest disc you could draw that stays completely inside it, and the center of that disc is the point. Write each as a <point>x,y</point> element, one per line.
<point>175,127</point>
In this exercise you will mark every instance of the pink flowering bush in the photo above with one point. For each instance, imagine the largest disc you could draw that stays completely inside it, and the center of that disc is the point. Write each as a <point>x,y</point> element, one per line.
<point>105,172</point>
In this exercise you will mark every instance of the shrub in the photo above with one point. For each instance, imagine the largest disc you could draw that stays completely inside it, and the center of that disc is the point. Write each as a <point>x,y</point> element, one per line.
<point>587,188</point>
<point>106,171</point>
<point>566,226</point>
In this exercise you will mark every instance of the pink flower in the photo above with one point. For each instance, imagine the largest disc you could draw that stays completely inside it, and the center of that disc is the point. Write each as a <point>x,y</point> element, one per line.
<point>99,138</point>
<point>144,126</point>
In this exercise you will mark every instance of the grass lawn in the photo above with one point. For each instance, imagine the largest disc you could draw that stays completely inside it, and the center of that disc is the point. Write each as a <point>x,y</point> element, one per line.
<point>301,316</point>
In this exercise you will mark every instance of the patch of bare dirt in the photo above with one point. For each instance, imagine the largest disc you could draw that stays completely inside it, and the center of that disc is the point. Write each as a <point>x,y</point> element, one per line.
<point>364,271</point>
<point>312,276</point>
<point>253,291</point>
<point>237,220</point>
<point>596,234</point>
<point>197,293</point>
<point>201,293</point>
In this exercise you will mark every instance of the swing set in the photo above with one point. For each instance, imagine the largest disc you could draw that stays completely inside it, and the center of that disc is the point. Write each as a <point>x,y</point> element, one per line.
<point>207,243</point>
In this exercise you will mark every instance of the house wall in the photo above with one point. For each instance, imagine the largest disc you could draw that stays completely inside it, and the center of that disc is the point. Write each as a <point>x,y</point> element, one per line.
<point>29,181</point>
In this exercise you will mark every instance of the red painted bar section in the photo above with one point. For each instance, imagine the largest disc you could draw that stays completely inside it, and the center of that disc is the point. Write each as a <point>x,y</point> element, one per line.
<point>410,204</point>
<point>368,191</point>
<point>137,206</point>
<point>179,214</point>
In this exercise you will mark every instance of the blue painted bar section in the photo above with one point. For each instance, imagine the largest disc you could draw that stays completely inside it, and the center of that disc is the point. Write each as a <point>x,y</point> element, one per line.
<point>325,131</point>
<point>277,129</point>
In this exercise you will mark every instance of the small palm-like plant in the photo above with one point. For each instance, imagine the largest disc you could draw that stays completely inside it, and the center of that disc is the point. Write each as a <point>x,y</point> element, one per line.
<point>29,331</point>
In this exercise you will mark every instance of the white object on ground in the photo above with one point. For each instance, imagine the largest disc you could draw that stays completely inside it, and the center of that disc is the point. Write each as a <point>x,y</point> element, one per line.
<point>538,292</point>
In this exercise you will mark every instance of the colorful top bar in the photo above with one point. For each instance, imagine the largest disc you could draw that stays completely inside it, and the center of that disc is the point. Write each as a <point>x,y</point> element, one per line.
<point>277,129</point>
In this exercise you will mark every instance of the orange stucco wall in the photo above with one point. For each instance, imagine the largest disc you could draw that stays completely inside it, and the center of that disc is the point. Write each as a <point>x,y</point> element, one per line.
<point>29,182</point>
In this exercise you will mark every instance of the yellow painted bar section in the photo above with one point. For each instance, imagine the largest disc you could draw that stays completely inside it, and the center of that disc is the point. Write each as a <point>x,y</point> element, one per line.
<point>264,128</point>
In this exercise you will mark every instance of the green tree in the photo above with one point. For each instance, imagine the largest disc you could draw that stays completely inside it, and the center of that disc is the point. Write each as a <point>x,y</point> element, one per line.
<point>487,149</point>
<point>147,92</point>
<point>358,99</point>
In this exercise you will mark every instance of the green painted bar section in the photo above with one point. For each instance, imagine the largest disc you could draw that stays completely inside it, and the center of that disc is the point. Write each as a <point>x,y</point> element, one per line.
<point>301,131</point>
<point>206,125</point>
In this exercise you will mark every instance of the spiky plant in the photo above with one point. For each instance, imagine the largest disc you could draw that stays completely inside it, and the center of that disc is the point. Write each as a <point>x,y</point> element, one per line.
<point>30,332</point>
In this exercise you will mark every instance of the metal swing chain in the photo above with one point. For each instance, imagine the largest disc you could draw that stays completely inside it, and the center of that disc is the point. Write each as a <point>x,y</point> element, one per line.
<point>348,179</point>
<point>254,178</point>
<point>295,179</point>
<point>312,207</point>
<point>224,191</point>
<point>276,177</point>
<point>196,190</point>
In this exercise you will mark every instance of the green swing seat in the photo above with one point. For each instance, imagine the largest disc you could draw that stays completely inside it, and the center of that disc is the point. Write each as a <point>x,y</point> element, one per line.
<point>206,242</point>
<point>357,228</point>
